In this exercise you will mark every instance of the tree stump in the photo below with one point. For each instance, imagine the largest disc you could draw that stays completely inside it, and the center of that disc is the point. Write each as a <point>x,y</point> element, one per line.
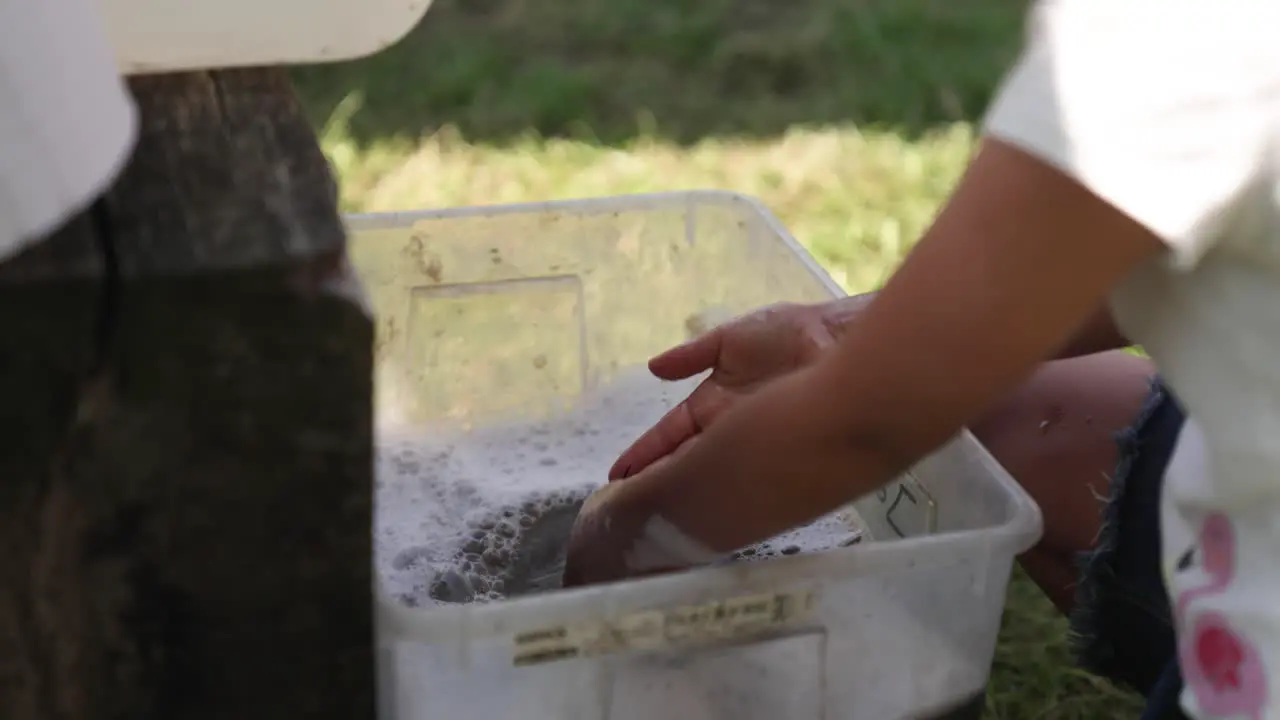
<point>186,470</point>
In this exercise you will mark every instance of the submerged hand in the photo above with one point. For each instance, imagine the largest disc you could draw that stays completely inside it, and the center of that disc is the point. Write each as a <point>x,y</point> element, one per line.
<point>777,459</point>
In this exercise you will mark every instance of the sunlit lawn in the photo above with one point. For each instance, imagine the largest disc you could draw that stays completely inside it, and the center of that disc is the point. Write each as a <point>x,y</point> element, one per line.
<point>850,118</point>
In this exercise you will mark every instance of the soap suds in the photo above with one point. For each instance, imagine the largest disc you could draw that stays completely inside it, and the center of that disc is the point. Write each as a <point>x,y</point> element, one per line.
<point>481,515</point>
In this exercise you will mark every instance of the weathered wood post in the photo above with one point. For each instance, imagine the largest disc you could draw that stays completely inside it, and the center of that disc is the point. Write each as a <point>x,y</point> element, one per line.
<point>185,465</point>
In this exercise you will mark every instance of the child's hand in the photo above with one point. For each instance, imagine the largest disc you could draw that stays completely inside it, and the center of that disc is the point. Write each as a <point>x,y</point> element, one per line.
<point>770,463</point>
<point>742,354</point>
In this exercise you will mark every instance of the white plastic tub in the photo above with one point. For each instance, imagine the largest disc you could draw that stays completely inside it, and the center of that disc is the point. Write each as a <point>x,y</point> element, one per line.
<point>490,314</point>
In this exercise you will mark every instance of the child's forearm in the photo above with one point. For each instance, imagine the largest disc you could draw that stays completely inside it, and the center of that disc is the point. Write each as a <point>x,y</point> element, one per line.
<point>1098,334</point>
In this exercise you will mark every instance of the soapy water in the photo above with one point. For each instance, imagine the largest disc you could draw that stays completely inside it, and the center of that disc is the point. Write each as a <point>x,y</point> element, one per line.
<point>482,515</point>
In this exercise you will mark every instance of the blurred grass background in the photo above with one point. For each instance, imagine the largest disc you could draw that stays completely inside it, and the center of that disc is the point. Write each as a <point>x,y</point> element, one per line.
<point>850,119</point>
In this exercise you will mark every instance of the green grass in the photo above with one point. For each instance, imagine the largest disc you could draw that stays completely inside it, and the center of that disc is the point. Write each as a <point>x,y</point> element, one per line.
<point>851,119</point>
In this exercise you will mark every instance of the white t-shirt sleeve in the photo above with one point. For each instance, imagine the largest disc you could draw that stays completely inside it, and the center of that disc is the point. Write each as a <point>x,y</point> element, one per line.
<point>67,123</point>
<point>1162,108</point>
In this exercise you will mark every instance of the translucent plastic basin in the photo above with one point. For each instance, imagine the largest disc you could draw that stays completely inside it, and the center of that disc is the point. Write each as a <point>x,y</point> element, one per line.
<point>513,316</point>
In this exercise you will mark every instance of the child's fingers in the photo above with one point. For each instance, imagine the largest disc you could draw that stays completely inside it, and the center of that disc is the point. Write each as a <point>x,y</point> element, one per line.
<point>688,359</point>
<point>674,431</point>
<point>669,433</point>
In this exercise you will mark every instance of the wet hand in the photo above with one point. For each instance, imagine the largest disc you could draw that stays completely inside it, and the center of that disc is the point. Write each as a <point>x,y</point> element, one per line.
<point>741,354</point>
<point>779,458</point>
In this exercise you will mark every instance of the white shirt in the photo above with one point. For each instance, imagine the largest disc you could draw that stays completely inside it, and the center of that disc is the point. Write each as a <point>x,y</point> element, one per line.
<point>1170,110</point>
<point>67,123</point>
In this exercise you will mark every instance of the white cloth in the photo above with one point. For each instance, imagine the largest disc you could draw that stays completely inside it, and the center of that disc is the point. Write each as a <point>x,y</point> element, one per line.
<point>67,124</point>
<point>1170,110</point>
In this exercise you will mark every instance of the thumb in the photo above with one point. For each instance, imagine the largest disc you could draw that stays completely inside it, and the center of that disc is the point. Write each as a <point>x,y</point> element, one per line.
<point>688,359</point>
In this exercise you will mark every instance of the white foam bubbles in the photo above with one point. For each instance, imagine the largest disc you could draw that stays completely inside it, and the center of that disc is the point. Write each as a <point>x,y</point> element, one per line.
<point>478,515</point>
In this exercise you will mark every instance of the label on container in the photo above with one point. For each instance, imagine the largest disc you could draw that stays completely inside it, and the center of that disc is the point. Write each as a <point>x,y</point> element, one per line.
<point>711,622</point>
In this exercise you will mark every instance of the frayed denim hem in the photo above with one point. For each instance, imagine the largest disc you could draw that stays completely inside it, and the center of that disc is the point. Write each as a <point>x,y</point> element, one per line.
<point>1094,651</point>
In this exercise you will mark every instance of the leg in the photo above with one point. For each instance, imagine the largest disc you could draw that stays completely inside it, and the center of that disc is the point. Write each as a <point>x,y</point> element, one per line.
<point>1089,439</point>
<point>1056,436</point>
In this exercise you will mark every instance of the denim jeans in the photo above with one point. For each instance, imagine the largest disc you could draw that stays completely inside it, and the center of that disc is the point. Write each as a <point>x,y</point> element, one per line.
<point>1122,625</point>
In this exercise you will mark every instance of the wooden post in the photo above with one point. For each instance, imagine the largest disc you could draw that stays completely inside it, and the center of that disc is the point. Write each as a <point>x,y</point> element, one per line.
<point>186,459</point>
